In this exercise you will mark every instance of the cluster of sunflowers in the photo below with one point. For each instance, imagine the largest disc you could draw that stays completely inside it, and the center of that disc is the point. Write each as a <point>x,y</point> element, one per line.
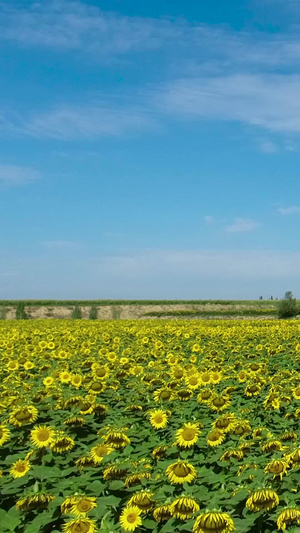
<point>149,426</point>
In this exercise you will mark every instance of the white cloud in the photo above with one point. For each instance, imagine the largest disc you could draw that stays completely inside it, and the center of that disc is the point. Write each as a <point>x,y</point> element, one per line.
<point>268,101</point>
<point>76,26</point>
<point>87,121</point>
<point>12,175</point>
<point>68,25</point>
<point>223,264</point>
<point>154,274</point>
<point>289,210</point>
<point>62,245</point>
<point>241,225</point>
<point>209,219</point>
<point>267,147</point>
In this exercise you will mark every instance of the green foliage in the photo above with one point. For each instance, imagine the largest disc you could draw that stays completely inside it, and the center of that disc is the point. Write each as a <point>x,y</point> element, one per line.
<point>20,311</point>
<point>93,314</point>
<point>194,313</point>
<point>76,313</point>
<point>37,303</point>
<point>287,307</point>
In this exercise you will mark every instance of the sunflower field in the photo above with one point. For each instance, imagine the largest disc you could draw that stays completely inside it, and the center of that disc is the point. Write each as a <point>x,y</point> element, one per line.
<point>149,426</point>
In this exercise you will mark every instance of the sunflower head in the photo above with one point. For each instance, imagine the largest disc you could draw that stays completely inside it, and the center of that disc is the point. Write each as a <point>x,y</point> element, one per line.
<point>290,515</point>
<point>181,472</point>
<point>262,499</point>
<point>184,507</point>
<point>188,435</point>
<point>130,518</point>
<point>213,522</point>
<point>42,436</point>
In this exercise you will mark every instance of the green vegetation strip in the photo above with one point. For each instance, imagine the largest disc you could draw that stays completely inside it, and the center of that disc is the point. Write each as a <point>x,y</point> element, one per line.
<point>55,303</point>
<point>229,312</point>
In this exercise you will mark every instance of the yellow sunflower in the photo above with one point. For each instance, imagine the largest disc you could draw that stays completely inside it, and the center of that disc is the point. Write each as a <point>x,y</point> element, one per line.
<point>19,468</point>
<point>213,522</point>
<point>188,435</point>
<point>130,518</point>
<point>42,436</point>
<point>181,472</point>
<point>158,418</point>
<point>82,505</point>
<point>99,451</point>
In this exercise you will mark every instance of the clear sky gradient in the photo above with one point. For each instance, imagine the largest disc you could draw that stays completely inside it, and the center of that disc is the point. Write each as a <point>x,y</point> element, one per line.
<point>150,149</point>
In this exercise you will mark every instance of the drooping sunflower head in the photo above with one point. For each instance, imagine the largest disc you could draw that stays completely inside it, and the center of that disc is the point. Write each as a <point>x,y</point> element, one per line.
<point>224,422</point>
<point>204,396</point>
<point>184,507</point>
<point>4,434</point>
<point>262,499</point>
<point>188,435</point>
<point>80,525</point>
<point>272,445</point>
<point>38,501</point>
<point>143,500</point>
<point>163,394</point>
<point>232,454</point>
<point>296,393</point>
<point>184,395</point>
<point>181,472</point>
<point>116,439</point>
<point>215,437</point>
<point>62,443</point>
<point>290,515</point>
<point>23,415</point>
<point>277,467</point>
<point>162,513</point>
<point>213,522</point>
<point>219,402</point>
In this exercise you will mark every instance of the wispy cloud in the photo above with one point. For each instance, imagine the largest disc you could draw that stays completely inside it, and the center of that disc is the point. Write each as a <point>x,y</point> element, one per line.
<point>85,121</point>
<point>289,210</point>
<point>76,26</point>
<point>13,175</point>
<point>68,25</point>
<point>209,219</point>
<point>242,225</point>
<point>209,263</point>
<point>61,245</point>
<point>266,146</point>
<point>270,102</point>
<point>214,73</point>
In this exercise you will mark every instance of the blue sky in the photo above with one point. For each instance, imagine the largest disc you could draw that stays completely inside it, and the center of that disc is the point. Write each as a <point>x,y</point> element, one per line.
<point>149,149</point>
